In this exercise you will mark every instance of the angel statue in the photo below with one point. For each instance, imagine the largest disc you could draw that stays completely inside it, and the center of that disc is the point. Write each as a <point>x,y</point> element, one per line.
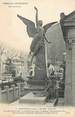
<point>37,48</point>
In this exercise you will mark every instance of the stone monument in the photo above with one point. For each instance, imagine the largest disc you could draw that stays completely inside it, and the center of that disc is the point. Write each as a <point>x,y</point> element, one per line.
<point>37,49</point>
<point>68,28</point>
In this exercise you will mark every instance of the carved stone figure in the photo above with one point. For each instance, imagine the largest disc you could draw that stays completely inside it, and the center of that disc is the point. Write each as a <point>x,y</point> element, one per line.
<point>37,48</point>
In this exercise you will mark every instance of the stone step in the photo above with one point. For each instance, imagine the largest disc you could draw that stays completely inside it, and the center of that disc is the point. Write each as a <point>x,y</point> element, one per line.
<point>33,99</point>
<point>34,88</point>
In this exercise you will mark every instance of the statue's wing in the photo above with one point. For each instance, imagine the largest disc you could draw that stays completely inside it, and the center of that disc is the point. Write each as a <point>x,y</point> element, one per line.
<point>31,30</point>
<point>46,28</point>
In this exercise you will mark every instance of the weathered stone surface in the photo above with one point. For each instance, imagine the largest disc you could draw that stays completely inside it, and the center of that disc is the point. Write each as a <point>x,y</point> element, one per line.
<point>31,98</point>
<point>68,24</point>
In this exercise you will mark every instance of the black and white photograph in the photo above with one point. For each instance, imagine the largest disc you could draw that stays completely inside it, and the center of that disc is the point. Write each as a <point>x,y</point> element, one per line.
<point>37,57</point>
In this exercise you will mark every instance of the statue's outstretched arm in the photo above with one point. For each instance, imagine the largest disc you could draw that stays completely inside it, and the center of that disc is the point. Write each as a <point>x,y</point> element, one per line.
<point>36,16</point>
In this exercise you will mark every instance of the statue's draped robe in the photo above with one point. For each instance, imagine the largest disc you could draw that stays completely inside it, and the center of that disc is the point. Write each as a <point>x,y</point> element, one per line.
<point>38,49</point>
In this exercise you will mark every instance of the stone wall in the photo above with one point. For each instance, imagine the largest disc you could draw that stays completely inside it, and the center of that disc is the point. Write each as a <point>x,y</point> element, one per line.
<point>9,95</point>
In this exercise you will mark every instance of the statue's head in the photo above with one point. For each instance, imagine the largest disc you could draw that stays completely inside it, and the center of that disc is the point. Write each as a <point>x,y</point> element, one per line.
<point>40,22</point>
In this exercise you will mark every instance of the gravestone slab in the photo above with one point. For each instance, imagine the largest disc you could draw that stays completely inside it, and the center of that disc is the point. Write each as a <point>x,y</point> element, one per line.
<point>31,98</point>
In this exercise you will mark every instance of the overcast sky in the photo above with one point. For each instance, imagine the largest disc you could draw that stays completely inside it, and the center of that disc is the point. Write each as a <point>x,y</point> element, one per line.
<point>13,31</point>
